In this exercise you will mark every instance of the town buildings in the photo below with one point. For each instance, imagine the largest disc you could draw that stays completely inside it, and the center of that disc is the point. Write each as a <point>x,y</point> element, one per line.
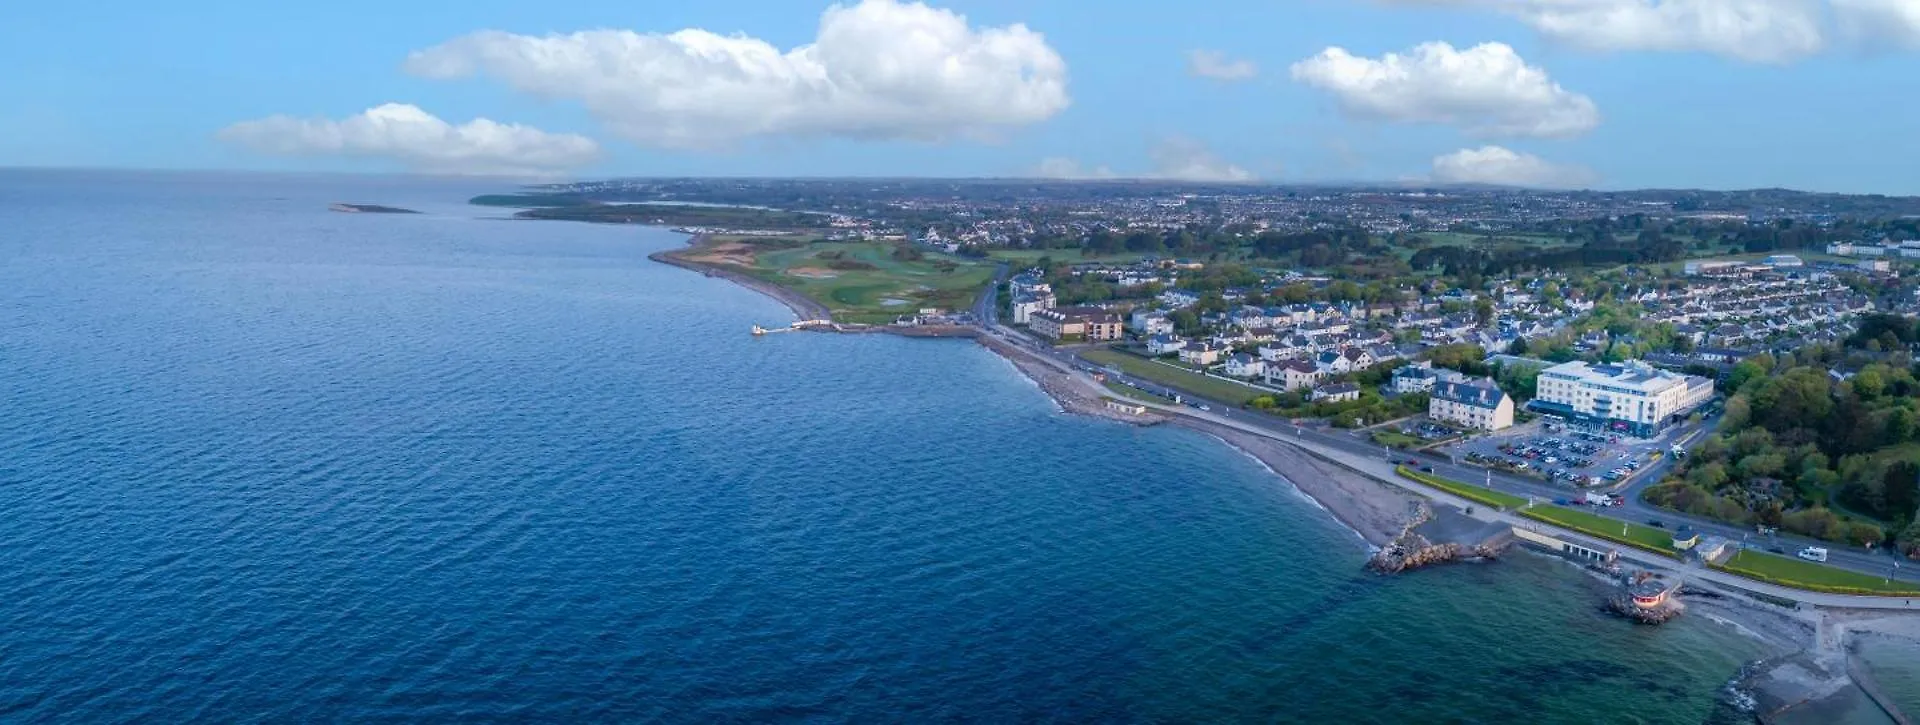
<point>1632,396</point>
<point>1077,323</point>
<point>1476,404</point>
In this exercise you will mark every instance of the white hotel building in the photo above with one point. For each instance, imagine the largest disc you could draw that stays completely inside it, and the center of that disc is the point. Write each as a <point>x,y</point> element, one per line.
<point>1631,397</point>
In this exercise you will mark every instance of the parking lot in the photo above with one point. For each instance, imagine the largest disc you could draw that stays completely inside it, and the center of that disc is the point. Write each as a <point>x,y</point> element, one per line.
<point>1568,457</point>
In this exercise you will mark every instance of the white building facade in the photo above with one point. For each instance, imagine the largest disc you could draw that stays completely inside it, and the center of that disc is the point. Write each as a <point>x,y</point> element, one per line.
<point>1631,397</point>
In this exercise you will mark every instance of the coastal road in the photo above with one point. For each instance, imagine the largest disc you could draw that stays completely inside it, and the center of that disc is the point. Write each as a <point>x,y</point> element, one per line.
<point>1380,469</point>
<point>987,308</point>
<point>1876,563</point>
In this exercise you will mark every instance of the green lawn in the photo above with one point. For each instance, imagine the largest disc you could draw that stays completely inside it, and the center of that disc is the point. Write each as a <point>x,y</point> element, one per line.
<point>1143,368</point>
<point>863,282</point>
<point>1128,391</point>
<point>1639,536</point>
<point>1478,494</point>
<point>1065,256</point>
<point>1396,439</point>
<point>1800,574</point>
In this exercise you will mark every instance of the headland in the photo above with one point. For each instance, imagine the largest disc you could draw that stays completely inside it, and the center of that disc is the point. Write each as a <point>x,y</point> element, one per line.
<point>368,209</point>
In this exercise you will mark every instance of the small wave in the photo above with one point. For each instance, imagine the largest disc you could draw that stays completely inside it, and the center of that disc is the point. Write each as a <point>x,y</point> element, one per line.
<point>1295,488</point>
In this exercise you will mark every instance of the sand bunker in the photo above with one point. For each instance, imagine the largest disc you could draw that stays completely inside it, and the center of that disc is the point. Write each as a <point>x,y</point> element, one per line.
<point>894,302</point>
<point>812,273</point>
<point>733,253</point>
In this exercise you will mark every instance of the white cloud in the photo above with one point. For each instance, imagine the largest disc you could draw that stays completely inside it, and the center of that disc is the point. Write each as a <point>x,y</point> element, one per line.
<point>1174,159</point>
<point>420,141</point>
<point>1487,90</point>
<point>1504,167</point>
<point>1057,167</point>
<point>1880,22</point>
<point>881,69</point>
<point>1185,159</point>
<point>1217,66</point>
<point>1768,31</point>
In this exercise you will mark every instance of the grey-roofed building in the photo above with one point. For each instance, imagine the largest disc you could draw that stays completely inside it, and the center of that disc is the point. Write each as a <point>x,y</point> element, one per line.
<point>1473,403</point>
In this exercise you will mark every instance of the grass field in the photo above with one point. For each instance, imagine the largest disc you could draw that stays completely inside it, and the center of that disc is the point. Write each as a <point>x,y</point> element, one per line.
<point>1396,439</point>
<point>858,281</point>
<point>1478,494</point>
<point>1128,391</point>
<point>1143,368</point>
<point>1460,239</point>
<point>1068,256</point>
<point>1639,536</point>
<point>1791,572</point>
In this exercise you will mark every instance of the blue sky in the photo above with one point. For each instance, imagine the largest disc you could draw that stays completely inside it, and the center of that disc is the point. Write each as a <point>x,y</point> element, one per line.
<point>1821,100</point>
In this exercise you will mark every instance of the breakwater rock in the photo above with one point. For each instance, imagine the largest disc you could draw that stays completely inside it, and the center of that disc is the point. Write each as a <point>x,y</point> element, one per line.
<point>1412,550</point>
<point>1623,605</point>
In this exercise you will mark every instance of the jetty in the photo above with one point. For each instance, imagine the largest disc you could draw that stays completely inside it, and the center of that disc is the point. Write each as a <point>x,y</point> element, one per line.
<point>822,325</point>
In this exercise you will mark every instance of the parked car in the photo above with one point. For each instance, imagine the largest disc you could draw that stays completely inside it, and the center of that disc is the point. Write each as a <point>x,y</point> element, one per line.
<point>1656,523</point>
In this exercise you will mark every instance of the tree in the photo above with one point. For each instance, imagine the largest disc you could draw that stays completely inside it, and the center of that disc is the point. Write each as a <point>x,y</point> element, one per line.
<point>1902,490</point>
<point>1910,539</point>
<point>1517,347</point>
<point>1748,370</point>
<point>1708,477</point>
<point>1864,534</point>
<point>1483,309</point>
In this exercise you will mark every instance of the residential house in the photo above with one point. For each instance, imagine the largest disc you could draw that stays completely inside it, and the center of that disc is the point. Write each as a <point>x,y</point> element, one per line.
<point>1293,375</point>
<point>1200,353</point>
<point>1165,345</point>
<point>1472,403</point>
<point>1336,393</point>
<point>1333,363</point>
<point>1243,365</point>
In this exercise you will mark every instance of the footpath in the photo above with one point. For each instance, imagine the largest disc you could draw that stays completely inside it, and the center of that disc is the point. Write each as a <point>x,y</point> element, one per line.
<point>1381,470</point>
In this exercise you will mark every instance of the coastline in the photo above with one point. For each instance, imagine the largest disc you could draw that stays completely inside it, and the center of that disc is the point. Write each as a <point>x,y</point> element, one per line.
<point>1377,513</point>
<point>802,307</point>
<point>1374,511</point>
<point>1813,665</point>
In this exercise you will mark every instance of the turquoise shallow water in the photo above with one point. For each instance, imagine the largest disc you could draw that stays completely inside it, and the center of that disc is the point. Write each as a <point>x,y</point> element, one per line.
<point>263,461</point>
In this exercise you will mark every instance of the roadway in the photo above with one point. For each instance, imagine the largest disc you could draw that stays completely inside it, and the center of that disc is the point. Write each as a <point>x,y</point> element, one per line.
<point>1878,563</point>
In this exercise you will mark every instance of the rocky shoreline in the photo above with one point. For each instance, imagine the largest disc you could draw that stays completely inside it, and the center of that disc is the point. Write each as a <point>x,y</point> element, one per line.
<point>1070,392</point>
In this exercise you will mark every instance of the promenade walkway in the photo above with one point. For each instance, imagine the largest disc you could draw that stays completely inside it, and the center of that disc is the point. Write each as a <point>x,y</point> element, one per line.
<point>1383,471</point>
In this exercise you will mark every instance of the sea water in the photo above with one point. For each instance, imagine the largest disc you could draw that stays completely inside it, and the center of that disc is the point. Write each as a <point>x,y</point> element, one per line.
<point>264,461</point>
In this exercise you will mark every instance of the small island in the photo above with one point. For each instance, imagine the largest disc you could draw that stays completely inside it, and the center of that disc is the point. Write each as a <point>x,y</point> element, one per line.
<point>368,209</point>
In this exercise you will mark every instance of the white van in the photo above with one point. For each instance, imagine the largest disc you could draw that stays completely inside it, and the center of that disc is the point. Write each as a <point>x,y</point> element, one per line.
<point>1813,553</point>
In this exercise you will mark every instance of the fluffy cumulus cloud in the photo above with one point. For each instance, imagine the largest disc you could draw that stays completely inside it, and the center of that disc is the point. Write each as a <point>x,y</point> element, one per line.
<point>1217,66</point>
<point>1174,159</point>
<point>1880,22</point>
<point>881,69</point>
<point>1487,90</point>
<point>1770,31</point>
<point>1505,167</point>
<point>420,141</point>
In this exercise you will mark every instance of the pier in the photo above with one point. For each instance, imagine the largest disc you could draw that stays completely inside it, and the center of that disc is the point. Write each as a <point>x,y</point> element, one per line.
<point>825,325</point>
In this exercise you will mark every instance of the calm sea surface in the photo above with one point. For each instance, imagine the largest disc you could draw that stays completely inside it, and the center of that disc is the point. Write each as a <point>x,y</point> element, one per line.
<point>261,461</point>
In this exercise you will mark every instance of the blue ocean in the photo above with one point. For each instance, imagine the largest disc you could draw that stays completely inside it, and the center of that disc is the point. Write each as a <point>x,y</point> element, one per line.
<point>260,461</point>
